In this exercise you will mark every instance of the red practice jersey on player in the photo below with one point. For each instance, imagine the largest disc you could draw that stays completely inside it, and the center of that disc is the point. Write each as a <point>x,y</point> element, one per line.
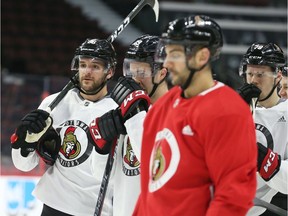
<point>198,155</point>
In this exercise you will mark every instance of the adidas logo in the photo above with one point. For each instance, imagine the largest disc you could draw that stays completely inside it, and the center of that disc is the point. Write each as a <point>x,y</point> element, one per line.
<point>282,119</point>
<point>187,131</point>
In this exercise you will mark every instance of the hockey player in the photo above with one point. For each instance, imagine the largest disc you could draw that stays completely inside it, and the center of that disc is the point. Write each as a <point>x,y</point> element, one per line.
<point>261,68</point>
<point>283,92</point>
<point>196,157</point>
<point>138,64</point>
<point>71,185</point>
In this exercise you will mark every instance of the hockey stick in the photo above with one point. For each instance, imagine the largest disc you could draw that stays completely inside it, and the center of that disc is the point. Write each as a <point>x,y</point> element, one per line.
<point>273,208</point>
<point>71,84</point>
<point>105,180</point>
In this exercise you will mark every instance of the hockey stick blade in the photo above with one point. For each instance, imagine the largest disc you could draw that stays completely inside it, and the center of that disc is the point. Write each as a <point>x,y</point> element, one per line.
<point>277,210</point>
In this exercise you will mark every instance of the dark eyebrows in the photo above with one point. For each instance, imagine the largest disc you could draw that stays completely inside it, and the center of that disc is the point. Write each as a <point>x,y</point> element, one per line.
<point>176,50</point>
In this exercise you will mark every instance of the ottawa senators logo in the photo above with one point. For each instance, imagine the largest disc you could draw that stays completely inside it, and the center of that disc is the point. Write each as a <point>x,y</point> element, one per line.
<point>130,157</point>
<point>164,159</point>
<point>74,152</point>
<point>70,147</point>
<point>158,164</point>
<point>130,163</point>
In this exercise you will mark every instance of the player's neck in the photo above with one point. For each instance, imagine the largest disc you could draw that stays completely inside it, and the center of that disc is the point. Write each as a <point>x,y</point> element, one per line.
<point>160,91</point>
<point>272,101</point>
<point>101,94</point>
<point>201,81</point>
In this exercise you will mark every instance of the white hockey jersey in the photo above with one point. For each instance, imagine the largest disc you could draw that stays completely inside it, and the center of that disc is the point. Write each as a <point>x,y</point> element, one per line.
<point>272,131</point>
<point>72,184</point>
<point>126,169</point>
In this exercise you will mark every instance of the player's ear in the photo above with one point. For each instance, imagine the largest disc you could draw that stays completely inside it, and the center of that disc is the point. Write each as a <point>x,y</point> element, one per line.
<point>202,56</point>
<point>278,76</point>
<point>110,73</point>
<point>163,73</point>
<point>160,75</point>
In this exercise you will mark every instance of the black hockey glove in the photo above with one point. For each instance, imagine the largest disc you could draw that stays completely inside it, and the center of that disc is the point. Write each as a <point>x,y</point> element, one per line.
<point>134,103</point>
<point>105,130</point>
<point>249,91</point>
<point>268,162</point>
<point>123,88</point>
<point>49,146</point>
<point>30,130</point>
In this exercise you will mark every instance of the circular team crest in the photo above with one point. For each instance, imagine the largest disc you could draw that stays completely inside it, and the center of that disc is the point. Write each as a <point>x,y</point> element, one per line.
<point>75,148</point>
<point>164,159</point>
<point>264,136</point>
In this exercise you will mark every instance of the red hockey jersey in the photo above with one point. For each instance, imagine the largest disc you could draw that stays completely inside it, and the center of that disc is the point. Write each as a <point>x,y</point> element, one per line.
<point>198,155</point>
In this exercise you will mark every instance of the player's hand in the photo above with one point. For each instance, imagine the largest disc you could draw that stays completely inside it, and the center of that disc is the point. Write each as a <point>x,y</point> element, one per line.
<point>268,162</point>
<point>134,103</point>
<point>48,146</point>
<point>249,91</point>
<point>104,131</point>
<point>123,88</point>
<point>30,130</point>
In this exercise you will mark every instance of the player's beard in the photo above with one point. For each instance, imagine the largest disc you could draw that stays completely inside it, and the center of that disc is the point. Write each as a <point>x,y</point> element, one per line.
<point>176,78</point>
<point>180,75</point>
<point>91,85</point>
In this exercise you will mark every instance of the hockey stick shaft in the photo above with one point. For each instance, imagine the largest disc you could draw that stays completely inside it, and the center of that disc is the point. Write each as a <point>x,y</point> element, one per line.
<point>63,92</point>
<point>273,208</point>
<point>153,3</point>
<point>105,180</point>
<point>71,84</point>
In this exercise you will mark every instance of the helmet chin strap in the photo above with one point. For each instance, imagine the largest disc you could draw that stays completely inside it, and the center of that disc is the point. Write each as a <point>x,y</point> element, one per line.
<point>192,72</point>
<point>271,92</point>
<point>155,85</point>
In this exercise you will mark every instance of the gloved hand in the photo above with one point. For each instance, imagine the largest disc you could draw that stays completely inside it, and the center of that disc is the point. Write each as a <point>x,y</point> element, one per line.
<point>268,162</point>
<point>49,146</point>
<point>249,91</point>
<point>103,131</point>
<point>123,88</point>
<point>134,103</point>
<point>30,130</point>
